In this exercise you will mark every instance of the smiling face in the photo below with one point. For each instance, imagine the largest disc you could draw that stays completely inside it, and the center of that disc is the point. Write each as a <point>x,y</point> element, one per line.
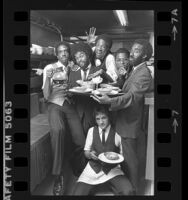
<point>82,59</point>
<point>102,120</point>
<point>63,54</point>
<point>137,54</point>
<point>101,49</point>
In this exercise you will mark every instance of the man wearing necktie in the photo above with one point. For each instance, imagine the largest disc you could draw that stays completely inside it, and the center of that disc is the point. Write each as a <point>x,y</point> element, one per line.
<point>102,138</point>
<point>81,54</point>
<point>129,109</point>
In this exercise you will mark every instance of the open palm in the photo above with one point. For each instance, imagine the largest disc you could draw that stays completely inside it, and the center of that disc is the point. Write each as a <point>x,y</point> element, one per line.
<point>91,36</point>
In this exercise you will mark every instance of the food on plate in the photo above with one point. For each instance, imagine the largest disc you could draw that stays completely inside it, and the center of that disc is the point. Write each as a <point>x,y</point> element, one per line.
<point>104,90</point>
<point>114,92</point>
<point>80,89</point>
<point>107,91</point>
<point>104,85</point>
<point>87,84</point>
<point>97,80</point>
<point>111,155</point>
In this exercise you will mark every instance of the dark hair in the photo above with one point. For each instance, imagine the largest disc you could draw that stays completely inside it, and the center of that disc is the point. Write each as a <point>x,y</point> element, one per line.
<point>122,50</point>
<point>101,109</point>
<point>62,43</point>
<point>148,49</point>
<point>106,38</point>
<point>81,46</point>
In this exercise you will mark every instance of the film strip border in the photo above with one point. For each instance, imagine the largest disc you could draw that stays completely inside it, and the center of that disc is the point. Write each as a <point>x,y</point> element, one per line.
<point>167,105</point>
<point>167,102</point>
<point>17,100</point>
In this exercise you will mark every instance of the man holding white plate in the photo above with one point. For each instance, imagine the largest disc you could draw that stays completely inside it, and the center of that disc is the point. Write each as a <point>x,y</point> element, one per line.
<point>103,149</point>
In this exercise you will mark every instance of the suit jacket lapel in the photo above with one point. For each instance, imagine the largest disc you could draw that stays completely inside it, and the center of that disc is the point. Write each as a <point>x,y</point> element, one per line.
<point>132,75</point>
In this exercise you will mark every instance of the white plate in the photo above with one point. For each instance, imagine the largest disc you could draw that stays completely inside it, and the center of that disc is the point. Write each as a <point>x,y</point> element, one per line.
<point>80,91</point>
<point>80,82</point>
<point>103,158</point>
<point>104,85</point>
<point>112,92</point>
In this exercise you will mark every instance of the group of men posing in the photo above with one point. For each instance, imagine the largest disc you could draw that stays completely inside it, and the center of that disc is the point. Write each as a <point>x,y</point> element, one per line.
<point>101,123</point>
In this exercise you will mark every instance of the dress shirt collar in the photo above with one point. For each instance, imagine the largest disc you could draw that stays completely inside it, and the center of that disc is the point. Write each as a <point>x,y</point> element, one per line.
<point>106,131</point>
<point>59,64</point>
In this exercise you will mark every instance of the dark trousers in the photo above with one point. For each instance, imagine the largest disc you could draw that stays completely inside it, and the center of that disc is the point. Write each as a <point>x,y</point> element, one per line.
<point>85,107</point>
<point>119,184</point>
<point>130,164</point>
<point>59,116</point>
<point>134,151</point>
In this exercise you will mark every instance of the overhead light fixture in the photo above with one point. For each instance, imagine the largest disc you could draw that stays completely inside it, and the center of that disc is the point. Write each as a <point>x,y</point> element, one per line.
<point>122,17</point>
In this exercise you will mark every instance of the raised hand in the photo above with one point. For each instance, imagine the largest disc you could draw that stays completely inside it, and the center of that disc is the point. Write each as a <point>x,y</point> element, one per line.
<point>122,71</point>
<point>91,36</point>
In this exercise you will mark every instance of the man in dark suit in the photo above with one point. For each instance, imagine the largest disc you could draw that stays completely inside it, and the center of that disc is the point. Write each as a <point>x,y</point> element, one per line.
<point>129,107</point>
<point>81,54</point>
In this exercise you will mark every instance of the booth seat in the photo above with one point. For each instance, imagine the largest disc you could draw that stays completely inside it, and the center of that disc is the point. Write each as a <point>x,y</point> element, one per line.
<point>40,145</point>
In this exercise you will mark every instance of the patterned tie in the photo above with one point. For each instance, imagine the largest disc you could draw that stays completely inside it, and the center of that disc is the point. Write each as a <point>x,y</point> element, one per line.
<point>103,136</point>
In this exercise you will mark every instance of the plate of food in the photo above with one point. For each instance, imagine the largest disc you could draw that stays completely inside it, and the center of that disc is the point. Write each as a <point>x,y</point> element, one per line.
<point>104,90</point>
<point>104,85</point>
<point>111,157</point>
<point>87,84</point>
<point>80,82</point>
<point>97,80</point>
<point>80,89</point>
<point>107,91</point>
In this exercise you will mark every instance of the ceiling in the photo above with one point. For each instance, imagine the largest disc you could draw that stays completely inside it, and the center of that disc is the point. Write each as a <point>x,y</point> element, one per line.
<point>76,22</point>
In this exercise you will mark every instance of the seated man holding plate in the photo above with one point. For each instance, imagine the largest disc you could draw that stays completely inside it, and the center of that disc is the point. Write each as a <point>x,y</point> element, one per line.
<point>104,150</point>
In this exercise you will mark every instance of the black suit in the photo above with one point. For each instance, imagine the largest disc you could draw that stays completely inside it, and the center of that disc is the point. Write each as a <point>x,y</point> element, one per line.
<point>84,104</point>
<point>129,116</point>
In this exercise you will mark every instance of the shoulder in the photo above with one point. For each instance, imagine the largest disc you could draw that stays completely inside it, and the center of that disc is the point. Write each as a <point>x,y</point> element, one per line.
<point>110,60</point>
<point>144,71</point>
<point>110,57</point>
<point>117,136</point>
<point>90,132</point>
<point>91,129</point>
<point>49,66</point>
